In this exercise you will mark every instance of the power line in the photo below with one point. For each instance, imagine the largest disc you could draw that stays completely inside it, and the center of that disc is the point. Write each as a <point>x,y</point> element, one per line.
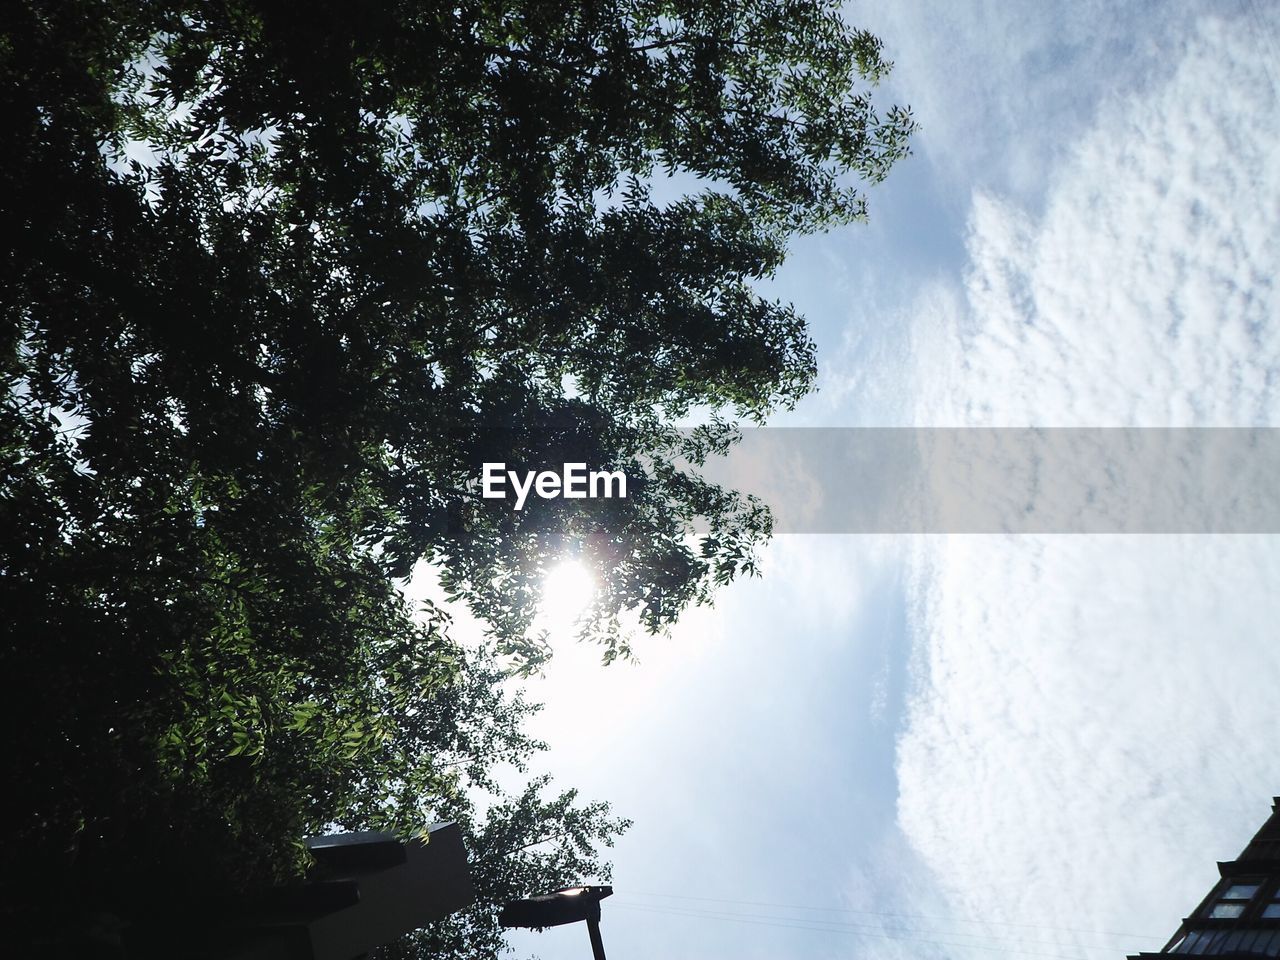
<point>1264,29</point>
<point>914,929</point>
<point>822,926</point>
<point>891,929</point>
<point>901,916</point>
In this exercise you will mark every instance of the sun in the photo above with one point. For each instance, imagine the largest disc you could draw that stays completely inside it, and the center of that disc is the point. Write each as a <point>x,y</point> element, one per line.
<point>567,590</point>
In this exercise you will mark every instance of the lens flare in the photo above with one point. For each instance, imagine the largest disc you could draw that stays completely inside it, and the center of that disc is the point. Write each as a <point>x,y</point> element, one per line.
<point>567,591</point>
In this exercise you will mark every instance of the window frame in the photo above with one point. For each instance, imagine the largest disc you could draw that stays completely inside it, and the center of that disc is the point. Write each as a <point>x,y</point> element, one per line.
<point>1220,898</point>
<point>1271,902</point>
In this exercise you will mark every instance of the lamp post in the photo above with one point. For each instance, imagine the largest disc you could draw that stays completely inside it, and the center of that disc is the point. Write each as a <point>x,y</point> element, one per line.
<point>563,906</point>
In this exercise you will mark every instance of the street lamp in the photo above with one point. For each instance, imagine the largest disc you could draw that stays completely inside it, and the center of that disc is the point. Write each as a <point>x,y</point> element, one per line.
<point>564,906</point>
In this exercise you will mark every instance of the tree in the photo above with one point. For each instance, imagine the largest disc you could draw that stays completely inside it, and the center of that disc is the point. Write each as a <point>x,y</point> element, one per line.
<point>281,282</point>
<point>523,845</point>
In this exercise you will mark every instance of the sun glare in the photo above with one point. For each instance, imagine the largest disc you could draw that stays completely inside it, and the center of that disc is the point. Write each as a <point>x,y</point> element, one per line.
<point>566,592</point>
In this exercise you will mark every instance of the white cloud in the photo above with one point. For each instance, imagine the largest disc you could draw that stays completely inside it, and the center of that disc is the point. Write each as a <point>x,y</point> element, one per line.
<point>1090,727</point>
<point>1002,88</point>
<point>1143,295</point>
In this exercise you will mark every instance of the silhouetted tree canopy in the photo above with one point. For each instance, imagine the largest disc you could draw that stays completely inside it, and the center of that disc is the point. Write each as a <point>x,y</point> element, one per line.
<point>280,278</point>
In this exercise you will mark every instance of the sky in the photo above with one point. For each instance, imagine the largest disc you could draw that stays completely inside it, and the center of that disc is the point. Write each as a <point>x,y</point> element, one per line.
<point>972,746</point>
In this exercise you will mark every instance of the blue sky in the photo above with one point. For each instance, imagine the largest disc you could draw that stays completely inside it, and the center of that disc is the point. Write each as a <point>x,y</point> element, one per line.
<point>954,746</point>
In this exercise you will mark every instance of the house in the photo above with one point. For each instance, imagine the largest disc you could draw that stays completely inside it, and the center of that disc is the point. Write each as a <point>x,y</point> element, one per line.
<point>1241,915</point>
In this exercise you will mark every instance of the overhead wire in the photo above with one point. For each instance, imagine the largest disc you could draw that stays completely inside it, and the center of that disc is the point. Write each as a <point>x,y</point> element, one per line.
<point>902,916</point>
<point>907,932</point>
<point>901,930</point>
<point>826,926</point>
<point>1267,35</point>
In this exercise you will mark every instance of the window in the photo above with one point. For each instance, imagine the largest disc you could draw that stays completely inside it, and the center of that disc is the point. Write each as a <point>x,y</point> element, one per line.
<point>1272,909</point>
<point>1232,900</point>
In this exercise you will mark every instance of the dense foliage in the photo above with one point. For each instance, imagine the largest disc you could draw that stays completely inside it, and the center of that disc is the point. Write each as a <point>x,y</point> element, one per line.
<point>281,279</point>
